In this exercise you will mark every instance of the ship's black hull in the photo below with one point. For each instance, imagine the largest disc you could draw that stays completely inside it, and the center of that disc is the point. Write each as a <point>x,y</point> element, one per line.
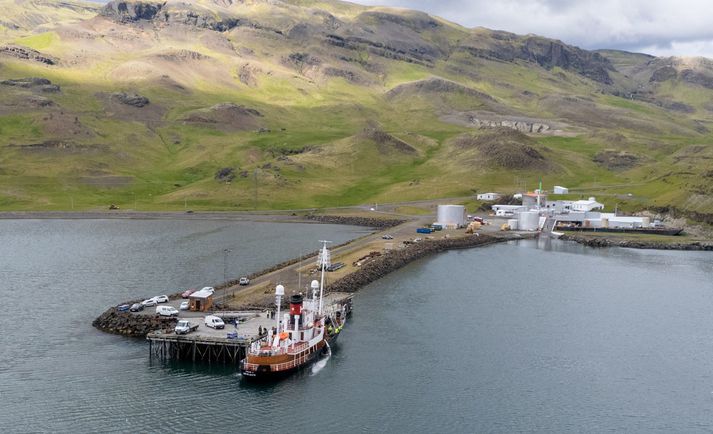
<point>668,231</point>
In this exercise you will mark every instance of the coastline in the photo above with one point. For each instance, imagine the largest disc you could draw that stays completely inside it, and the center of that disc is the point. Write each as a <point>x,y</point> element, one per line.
<point>603,241</point>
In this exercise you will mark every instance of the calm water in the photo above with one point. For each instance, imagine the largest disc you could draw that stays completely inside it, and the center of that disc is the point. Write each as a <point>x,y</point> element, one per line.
<point>511,338</point>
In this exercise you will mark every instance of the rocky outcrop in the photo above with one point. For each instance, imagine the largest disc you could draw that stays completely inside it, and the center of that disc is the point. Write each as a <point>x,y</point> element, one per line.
<point>616,160</point>
<point>27,54</point>
<point>636,244</point>
<point>162,13</point>
<point>664,74</point>
<point>522,126</point>
<point>548,53</point>
<point>35,83</point>
<point>131,11</point>
<point>132,324</point>
<point>696,77</point>
<point>131,99</point>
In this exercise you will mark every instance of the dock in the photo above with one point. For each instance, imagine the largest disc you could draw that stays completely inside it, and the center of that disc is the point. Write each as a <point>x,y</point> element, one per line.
<point>228,345</point>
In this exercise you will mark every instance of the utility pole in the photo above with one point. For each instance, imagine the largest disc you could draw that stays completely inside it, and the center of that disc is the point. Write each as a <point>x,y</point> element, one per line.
<point>255,199</point>
<point>225,264</point>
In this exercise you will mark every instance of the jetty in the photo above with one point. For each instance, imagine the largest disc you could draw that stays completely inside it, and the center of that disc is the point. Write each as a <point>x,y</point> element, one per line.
<point>247,309</point>
<point>228,345</point>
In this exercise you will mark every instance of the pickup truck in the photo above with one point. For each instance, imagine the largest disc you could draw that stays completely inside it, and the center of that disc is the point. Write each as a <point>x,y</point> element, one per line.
<point>184,327</point>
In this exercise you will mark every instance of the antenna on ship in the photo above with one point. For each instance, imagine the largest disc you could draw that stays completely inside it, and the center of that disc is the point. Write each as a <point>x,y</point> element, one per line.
<point>323,264</point>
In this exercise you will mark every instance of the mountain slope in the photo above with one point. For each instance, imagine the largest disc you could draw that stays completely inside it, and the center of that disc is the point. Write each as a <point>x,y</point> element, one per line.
<point>315,103</point>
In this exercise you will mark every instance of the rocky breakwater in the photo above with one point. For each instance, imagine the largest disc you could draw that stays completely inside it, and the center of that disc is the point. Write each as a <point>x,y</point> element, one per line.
<point>356,221</point>
<point>132,324</point>
<point>637,244</point>
<point>396,259</point>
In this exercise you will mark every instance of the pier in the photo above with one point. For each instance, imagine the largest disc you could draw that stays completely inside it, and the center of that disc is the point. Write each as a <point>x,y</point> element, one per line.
<point>197,348</point>
<point>365,260</point>
<point>228,345</point>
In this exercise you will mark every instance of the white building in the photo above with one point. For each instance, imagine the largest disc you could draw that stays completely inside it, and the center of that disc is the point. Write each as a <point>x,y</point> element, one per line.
<point>507,210</point>
<point>560,190</point>
<point>586,205</point>
<point>488,196</point>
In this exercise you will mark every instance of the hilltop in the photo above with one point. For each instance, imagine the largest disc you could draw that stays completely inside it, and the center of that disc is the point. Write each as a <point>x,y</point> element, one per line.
<point>228,104</point>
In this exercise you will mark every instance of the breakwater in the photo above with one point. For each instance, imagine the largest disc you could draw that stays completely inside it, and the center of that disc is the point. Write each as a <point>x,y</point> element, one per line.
<point>133,325</point>
<point>396,259</point>
<point>371,222</point>
<point>637,244</point>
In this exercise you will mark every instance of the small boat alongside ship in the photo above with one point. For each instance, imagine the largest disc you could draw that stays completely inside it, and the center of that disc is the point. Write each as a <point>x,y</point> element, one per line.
<point>299,336</point>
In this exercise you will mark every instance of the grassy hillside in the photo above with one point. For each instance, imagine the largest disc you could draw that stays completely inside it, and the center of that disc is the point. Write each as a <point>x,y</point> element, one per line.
<point>295,104</point>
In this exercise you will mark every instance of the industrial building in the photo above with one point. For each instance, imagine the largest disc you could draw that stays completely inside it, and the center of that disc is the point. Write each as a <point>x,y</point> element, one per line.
<point>451,216</point>
<point>558,189</point>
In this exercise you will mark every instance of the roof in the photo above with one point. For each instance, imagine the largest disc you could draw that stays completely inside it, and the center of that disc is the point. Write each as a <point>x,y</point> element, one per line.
<point>202,294</point>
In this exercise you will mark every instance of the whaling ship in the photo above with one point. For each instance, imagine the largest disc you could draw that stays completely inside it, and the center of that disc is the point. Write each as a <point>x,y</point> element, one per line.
<point>300,336</point>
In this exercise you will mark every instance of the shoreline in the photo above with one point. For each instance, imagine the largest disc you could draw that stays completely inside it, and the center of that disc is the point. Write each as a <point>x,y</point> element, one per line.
<point>603,241</point>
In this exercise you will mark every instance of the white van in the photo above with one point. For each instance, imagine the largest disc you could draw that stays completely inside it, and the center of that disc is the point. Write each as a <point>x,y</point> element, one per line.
<point>214,321</point>
<point>166,311</point>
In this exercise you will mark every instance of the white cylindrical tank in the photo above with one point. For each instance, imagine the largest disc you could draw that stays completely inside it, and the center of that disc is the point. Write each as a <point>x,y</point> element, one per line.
<point>513,224</point>
<point>451,215</point>
<point>528,221</point>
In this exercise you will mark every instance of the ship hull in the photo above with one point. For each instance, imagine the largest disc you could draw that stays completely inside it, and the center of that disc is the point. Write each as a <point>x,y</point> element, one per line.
<point>268,372</point>
<point>651,231</point>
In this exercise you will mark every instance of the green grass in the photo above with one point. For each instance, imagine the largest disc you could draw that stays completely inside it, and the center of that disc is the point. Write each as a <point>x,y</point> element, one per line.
<point>38,42</point>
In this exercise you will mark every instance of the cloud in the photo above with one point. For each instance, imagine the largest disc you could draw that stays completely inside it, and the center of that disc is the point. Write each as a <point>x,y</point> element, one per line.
<point>660,27</point>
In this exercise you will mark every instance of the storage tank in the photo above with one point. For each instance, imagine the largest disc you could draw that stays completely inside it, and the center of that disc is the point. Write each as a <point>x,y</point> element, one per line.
<point>528,221</point>
<point>513,224</point>
<point>451,215</point>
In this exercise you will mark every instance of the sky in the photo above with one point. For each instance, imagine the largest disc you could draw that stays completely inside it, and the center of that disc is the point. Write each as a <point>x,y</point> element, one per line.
<point>658,27</point>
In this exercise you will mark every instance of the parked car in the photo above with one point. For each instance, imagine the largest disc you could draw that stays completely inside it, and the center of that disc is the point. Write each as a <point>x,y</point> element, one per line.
<point>149,302</point>
<point>166,311</point>
<point>184,327</point>
<point>122,308</point>
<point>208,288</point>
<point>183,306</point>
<point>387,237</point>
<point>336,266</point>
<point>136,307</point>
<point>161,299</point>
<point>187,293</point>
<point>244,281</point>
<point>214,322</point>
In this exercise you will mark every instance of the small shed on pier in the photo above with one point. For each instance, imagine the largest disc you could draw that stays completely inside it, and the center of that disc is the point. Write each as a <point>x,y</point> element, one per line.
<point>200,301</point>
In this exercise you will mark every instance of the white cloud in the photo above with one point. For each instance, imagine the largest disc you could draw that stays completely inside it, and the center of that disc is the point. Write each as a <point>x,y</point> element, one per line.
<point>661,27</point>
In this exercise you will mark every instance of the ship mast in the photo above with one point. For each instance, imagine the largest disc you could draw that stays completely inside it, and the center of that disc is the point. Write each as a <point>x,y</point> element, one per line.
<point>279,292</point>
<point>323,264</point>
